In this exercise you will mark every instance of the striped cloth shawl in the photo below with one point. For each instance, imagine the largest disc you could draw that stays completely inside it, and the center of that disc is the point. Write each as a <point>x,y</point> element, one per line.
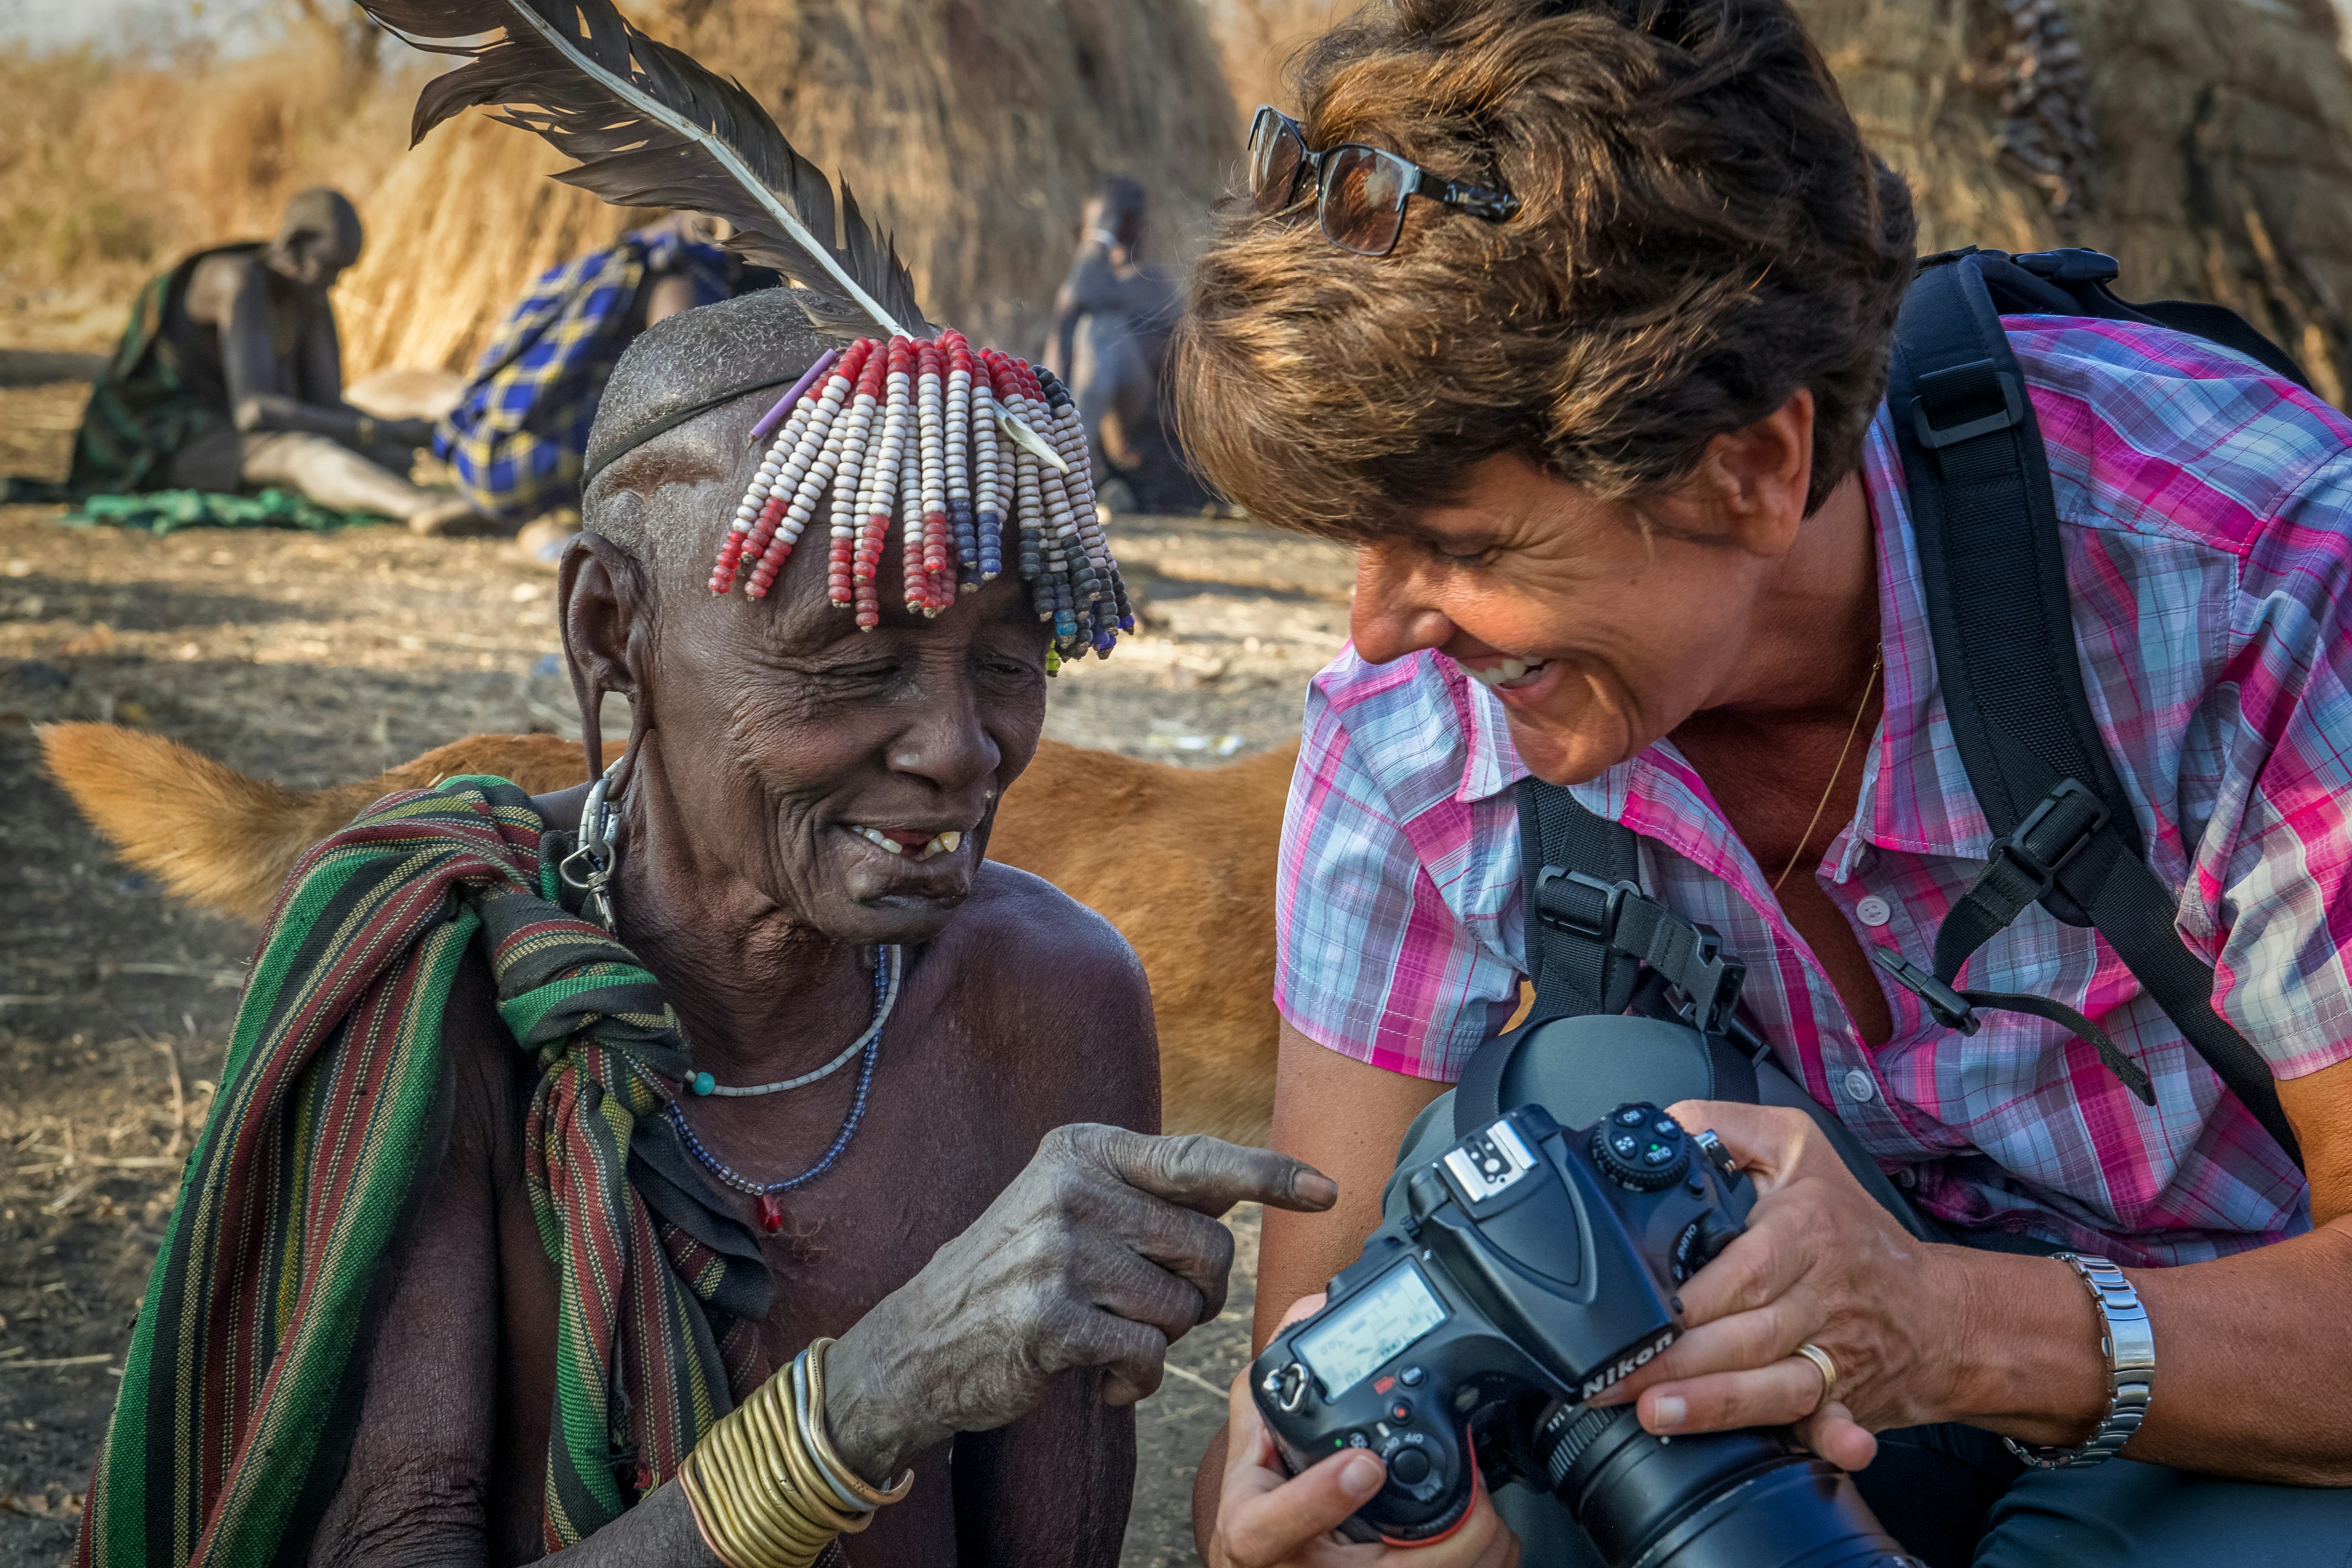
<point>242,1387</point>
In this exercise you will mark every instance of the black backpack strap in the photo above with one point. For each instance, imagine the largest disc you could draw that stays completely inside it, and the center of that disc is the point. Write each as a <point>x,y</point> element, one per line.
<point>1597,944</point>
<point>1998,611</point>
<point>1575,969</point>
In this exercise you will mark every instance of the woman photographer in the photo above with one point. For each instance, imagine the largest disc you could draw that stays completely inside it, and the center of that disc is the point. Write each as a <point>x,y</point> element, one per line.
<point>1596,397</point>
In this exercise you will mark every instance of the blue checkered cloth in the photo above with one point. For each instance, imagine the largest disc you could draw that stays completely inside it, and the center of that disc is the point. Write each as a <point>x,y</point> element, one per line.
<point>518,437</point>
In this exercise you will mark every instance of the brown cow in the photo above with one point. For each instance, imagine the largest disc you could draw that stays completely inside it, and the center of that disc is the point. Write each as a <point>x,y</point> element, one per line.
<point>1179,859</point>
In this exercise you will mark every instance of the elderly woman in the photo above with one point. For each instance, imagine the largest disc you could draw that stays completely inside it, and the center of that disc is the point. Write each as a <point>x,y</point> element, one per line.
<point>840,1127</point>
<point>1573,317</point>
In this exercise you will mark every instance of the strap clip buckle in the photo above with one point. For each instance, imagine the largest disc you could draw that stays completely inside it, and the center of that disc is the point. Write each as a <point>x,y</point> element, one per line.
<point>1944,1005</point>
<point>2074,264</point>
<point>2038,864</point>
<point>1591,907</point>
<point>1935,436</point>
<point>1711,981</point>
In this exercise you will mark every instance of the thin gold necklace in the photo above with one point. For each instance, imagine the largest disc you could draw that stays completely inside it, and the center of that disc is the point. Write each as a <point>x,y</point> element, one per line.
<point>1836,768</point>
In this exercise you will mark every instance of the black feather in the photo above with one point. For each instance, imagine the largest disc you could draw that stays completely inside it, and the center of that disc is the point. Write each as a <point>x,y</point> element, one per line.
<point>649,126</point>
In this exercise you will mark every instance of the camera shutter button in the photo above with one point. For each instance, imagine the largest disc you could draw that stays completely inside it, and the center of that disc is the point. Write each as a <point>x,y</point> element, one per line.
<point>1409,1467</point>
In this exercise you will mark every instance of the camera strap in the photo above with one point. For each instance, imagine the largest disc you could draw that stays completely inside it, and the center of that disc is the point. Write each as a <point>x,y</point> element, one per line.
<point>1597,944</point>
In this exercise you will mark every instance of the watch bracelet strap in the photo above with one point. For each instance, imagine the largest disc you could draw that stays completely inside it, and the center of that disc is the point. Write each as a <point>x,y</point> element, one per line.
<point>2128,1343</point>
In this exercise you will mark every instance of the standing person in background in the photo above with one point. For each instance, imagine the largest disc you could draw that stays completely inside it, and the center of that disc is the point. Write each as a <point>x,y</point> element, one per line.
<point>1110,340</point>
<point>1575,317</point>
<point>230,376</point>
<point>519,430</point>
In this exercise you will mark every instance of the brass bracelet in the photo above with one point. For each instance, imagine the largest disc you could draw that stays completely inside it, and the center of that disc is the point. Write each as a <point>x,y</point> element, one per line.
<point>764,1485</point>
<point>774,1447</point>
<point>822,1441</point>
<point>747,1520</point>
<point>715,1523</point>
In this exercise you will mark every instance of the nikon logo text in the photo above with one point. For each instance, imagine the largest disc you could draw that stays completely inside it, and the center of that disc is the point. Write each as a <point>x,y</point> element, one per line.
<point>1625,1366</point>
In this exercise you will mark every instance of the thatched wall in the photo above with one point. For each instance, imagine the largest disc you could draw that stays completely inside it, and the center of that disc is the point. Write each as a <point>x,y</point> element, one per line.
<point>2207,143</point>
<point>975,128</point>
<point>2216,163</point>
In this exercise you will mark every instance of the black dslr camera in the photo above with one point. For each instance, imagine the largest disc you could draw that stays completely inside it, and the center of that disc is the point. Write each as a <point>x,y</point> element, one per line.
<point>1532,1268</point>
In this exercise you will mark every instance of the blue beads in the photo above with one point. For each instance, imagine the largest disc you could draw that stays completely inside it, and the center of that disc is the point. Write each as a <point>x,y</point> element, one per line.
<point>703,1083</point>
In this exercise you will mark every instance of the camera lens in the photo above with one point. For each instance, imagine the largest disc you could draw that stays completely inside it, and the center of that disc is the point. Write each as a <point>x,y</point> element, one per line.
<point>1722,1500</point>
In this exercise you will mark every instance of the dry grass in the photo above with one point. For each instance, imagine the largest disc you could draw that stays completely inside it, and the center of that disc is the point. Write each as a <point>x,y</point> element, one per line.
<point>111,169</point>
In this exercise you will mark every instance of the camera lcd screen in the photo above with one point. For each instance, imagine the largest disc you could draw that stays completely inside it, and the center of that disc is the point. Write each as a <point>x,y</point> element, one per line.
<point>1390,1314</point>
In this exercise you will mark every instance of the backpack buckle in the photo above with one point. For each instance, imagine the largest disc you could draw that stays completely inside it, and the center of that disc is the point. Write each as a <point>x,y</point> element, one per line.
<point>1586,907</point>
<point>2073,263</point>
<point>2052,833</point>
<point>1944,1005</point>
<point>1956,390</point>
<point>1711,981</point>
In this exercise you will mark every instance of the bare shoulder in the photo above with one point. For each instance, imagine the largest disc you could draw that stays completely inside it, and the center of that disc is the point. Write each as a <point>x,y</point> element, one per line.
<point>214,285</point>
<point>1054,979</point>
<point>1031,931</point>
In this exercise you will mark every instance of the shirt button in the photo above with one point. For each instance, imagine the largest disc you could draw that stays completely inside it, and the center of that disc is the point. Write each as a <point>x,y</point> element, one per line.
<point>1858,1086</point>
<point>1873,910</point>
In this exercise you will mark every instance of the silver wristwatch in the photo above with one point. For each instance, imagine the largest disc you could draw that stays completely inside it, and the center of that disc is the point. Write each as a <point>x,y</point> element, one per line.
<point>2129,1345</point>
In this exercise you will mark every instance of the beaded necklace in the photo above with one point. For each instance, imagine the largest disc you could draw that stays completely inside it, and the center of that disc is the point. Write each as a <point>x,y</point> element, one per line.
<point>764,1194</point>
<point>887,996</point>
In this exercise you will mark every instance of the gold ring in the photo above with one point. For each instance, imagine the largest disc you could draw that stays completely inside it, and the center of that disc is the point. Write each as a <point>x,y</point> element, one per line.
<point>1826,1367</point>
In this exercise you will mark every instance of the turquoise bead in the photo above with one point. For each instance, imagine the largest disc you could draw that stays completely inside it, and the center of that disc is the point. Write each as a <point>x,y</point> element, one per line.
<point>704,1083</point>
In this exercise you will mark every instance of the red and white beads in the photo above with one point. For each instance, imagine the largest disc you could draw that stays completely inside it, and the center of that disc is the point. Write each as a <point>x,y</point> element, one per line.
<point>948,444</point>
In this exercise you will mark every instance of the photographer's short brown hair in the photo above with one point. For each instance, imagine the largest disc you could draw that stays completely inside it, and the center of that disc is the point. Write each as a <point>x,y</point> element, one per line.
<point>1702,232</point>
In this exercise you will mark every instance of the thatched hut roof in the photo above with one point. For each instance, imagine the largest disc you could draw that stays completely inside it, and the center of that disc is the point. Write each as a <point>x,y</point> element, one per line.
<point>975,130</point>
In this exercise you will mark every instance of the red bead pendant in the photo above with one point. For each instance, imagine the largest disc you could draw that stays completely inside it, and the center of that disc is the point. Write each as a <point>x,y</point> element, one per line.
<point>772,1214</point>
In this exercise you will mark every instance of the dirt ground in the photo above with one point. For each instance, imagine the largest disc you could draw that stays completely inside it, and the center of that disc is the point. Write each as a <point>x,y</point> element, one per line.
<point>317,658</point>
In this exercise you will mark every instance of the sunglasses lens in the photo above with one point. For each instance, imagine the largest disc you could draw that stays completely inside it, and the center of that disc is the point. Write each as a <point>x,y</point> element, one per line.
<point>1364,190</point>
<point>1275,154</point>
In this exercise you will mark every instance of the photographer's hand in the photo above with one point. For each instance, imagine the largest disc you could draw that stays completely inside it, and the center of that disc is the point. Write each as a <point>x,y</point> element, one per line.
<point>1265,1521</point>
<point>1822,1263</point>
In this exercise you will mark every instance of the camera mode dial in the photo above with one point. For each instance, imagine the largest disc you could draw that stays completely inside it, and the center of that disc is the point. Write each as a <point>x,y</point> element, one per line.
<point>1641,1147</point>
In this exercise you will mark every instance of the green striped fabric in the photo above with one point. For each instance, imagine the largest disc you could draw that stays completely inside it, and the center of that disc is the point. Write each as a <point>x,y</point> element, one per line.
<point>241,1390</point>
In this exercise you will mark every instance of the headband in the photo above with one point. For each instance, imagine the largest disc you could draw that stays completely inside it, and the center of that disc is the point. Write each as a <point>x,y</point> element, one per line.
<point>672,420</point>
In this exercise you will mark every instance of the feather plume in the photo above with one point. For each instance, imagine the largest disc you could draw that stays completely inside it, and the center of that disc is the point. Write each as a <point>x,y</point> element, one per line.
<point>649,126</point>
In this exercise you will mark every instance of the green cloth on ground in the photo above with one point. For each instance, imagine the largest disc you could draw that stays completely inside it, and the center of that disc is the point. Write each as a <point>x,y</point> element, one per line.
<point>162,511</point>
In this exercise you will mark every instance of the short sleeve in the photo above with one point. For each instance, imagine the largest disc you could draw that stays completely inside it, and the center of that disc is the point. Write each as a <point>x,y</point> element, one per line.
<point>2286,881</point>
<point>1371,960</point>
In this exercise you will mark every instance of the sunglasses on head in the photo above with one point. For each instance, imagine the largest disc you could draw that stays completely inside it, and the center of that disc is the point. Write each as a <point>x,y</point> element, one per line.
<point>1360,191</point>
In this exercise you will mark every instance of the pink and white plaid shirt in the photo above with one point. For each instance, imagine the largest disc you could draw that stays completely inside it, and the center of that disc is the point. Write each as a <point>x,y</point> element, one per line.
<point>2207,515</point>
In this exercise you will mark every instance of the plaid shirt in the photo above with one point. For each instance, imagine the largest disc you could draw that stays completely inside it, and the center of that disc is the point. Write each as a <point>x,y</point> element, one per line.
<point>2204,509</point>
<point>520,434</point>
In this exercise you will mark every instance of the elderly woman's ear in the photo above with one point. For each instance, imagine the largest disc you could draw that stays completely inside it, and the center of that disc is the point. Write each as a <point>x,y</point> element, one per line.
<point>605,610</point>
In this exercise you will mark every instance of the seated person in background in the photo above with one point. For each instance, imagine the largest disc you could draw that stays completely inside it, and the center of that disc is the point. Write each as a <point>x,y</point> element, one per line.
<point>1109,341</point>
<point>554,1232</point>
<point>230,376</point>
<point>519,430</point>
<point>1634,518</point>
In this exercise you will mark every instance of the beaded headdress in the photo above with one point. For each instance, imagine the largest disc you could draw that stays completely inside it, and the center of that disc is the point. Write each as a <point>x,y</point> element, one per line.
<point>915,427</point>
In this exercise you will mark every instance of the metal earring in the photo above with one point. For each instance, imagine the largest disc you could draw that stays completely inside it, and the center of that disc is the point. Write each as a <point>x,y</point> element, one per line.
<point>588,869</point>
